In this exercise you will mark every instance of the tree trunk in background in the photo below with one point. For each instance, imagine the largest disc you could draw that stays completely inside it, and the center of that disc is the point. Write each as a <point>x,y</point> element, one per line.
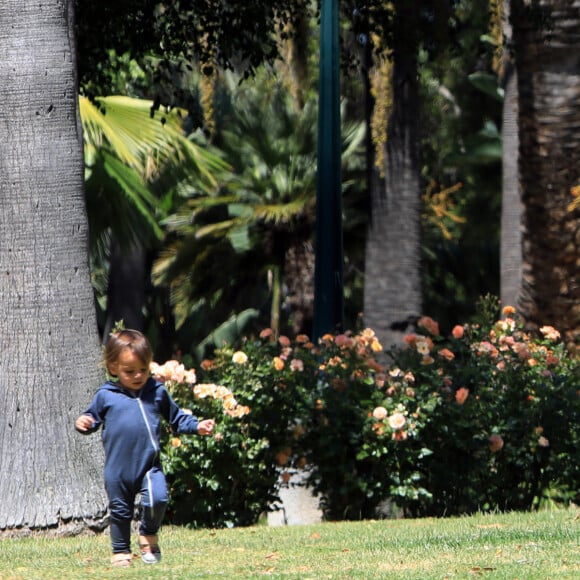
<point>295,54</point>
<point>299,279</point>
<point>548,61</point>
<point>511,211</point>
<point>50,477</point>
<point>126,291</point>
<point>392,294</point>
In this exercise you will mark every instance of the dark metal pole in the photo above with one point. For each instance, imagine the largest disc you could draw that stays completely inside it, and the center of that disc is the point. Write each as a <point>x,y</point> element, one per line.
<point>328,276</point>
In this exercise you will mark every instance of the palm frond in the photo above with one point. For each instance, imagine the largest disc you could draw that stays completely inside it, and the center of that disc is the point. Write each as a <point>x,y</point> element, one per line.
<point>279,213</point>
<point>144,141</point>
<point>136,191</point>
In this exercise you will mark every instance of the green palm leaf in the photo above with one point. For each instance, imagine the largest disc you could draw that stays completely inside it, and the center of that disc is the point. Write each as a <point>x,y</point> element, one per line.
<point>138,194</point>
<point>142,140</point>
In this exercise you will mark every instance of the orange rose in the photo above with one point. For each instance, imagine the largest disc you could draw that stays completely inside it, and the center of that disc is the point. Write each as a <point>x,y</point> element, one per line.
<point>446,354</point>
<point>461,395</point>
<point>458,331</point>
<point>266,333</point>
<point>429,324</point>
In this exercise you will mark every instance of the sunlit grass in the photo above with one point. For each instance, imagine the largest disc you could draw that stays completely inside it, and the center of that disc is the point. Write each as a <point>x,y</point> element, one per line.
<point>542,545</point>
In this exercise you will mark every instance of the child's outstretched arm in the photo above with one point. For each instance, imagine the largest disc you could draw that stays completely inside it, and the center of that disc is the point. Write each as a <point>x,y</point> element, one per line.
<point>205,427</point>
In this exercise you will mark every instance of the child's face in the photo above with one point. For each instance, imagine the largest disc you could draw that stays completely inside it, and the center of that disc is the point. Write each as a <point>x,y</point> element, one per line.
<point>130,369</point>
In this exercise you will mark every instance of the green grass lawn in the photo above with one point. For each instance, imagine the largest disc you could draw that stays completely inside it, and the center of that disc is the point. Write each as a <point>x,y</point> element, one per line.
<point>512,546</point>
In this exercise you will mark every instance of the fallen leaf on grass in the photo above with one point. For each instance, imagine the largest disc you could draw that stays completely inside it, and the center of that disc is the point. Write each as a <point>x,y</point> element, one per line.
<point>315,536</point>
<point>482,569</point>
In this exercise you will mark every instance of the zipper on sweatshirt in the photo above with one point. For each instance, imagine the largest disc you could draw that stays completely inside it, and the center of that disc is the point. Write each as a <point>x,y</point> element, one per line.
<point>156,448</point>
<point>151,437</point>
<point>151,498</point>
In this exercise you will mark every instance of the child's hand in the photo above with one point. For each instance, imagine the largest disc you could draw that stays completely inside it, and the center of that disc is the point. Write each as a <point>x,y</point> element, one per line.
<point>205,427</point>
<point>84,423</point>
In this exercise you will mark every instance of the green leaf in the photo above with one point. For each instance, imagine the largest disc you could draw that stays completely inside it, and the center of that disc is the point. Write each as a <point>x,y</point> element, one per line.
<point>228,332</point>
<point>487,83</point>
<point>240,239</point>
<point>134,188</point>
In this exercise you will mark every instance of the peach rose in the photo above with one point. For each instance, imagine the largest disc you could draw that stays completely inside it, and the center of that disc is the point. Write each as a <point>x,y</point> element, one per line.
<point>458,331</point>
<point>297,365</point>
<point>543,441</point>
<point>266,333</point>
<point>461,395</point>
<point>446,354</point>
<point>550,333</point>
<point>429,324</point>
<point>397,421</point>
<point>380,413</point>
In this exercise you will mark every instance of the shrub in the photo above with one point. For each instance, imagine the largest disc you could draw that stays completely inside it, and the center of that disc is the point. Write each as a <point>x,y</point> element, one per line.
<point>486,418</point>
<point>200,469</point>
<point>363,429</point>
<point>234,477</point>
<point>505,435</point>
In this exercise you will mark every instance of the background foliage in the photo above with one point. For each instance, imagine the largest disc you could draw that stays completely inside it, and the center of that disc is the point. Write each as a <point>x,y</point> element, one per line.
<point>200,267</point>
<point>480,415</point>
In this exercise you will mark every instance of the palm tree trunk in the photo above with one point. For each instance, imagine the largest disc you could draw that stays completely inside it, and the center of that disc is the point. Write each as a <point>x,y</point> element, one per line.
<point>276,300</point>
<point>50,349</point>
<point>126,291</point>
<point>392,294</point>
<point>299,280</point>
<point>511,213</point>
<point>548,60</point>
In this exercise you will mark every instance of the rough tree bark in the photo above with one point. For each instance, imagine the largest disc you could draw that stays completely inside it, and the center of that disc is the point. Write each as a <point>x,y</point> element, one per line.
<point>50,478</point>
<point>392,295</point>
<point>511,211</point>
<point>547,48</point>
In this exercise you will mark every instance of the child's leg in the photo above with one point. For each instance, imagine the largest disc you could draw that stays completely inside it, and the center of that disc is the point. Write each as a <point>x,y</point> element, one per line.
<point>154,502</point>
<point>154,499</point>
<point>121,506</point>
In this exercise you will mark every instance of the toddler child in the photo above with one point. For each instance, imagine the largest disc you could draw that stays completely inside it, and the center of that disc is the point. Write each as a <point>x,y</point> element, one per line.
<point>129,408</point>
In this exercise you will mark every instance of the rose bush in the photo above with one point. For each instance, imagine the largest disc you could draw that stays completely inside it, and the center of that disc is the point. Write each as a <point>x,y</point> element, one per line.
<point>234,477</point>
<point>485,418</point>
<point>363,431</point>
<point>199,469</point>
<point>505,434</point>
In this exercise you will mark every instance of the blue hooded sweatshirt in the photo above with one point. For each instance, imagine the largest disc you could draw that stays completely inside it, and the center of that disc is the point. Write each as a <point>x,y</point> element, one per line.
<point>131,422</point>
